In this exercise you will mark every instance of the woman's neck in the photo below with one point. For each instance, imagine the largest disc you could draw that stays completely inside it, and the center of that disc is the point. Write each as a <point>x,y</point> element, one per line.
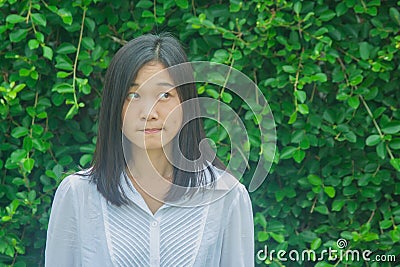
<point>147,164</point>
<point>151,175</point>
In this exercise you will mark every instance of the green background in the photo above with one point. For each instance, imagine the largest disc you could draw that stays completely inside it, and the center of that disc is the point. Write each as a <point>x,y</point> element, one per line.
<point>329,70</point>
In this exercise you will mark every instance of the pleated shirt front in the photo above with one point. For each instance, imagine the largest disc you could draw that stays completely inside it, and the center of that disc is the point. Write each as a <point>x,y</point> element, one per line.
<point>85,230</point>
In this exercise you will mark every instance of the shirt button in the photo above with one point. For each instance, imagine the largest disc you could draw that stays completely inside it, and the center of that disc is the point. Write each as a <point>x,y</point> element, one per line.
<point>154,223</point>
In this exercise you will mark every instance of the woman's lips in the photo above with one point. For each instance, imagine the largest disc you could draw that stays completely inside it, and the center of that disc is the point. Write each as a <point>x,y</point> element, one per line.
<point>151,131</point>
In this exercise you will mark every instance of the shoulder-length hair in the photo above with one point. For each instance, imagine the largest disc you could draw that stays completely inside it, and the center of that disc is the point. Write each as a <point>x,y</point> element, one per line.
<point>109,162</point>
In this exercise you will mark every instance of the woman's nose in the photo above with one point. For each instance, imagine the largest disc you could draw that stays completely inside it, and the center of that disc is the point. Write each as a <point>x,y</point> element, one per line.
<point>149,111</point>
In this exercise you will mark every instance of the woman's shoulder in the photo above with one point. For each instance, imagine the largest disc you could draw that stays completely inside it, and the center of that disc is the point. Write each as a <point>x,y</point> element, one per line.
<point>77,182</point>
<point>228,185</point>
<point>225,180</point>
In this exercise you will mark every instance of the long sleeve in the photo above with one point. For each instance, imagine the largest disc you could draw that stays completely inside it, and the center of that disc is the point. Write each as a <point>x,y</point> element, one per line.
<point>62,245</point>
<point>238,237</point>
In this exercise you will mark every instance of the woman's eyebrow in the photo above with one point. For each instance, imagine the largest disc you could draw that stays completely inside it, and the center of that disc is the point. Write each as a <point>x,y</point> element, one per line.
<point>165,84</point>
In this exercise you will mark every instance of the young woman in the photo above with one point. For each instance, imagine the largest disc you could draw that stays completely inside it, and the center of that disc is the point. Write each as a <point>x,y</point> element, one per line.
<point>134,207</point>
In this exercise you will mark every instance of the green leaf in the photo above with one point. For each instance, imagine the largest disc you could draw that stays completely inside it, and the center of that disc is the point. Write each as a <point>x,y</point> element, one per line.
<point>65,15</point>
<point>39,19</point>
<point>314,179</point>
<point>321,77</point>
<point>221,55</point>
<point>327,15</point>
<point>341,9</point>
<point>300,95</point>
<point>350,190</point>
<point>182,3</point>
<point>353,101</point>
<point>63,88</point>
<point>316,243</point>
<point>39,36</point>
<point>297,7</point>
<point>385,224</point>
<point>356,80</point>
<point>145,4</point>
<point>33,44</point>
<point>24,72</point>
<point>216,78</point>
<point>293,118</point>
<point>234,7</point>
<point>395,235</point>
<point>392,127</point>
<point>18,181</point>
<point>47,52</point>
<point>364,50</point>
<point>147,14</point>
<point>28,164</point>
<point>64,63</point>
<point>287,152</point>
<point>51,174</point>
<point>27,144</point>
<point>395,143</point>
<point>350,136</point>
<point>13,18</point>
<point>381,150</point>
<point>289,69</point>
<point>277,237</point>
<point>65,160</point>
<point>63,74</point>
<point>18,35</point>
<point>57,99</point>
<point>72,112</point>
<point>85,159</point>
<point>322,209</point>
<point>330,191</point>
<point>303,108</point>
<point>88,43</point>
<point>321,31</point>
<point>373,140</point>
<point>395,163</point>
<point>66,48</point>
<point>299,155</point>
<point>260,219</point>
<point>337,205</point>
<point>213,93</point>
<point>226,97</point>
<point>32,195</point>
<point>7,218</point>
<point>19,132</point>
<point>201,90</point>
<point>394,15</point>
<point>378,112</point>
<point>262,236</point>
<point>90,24</point>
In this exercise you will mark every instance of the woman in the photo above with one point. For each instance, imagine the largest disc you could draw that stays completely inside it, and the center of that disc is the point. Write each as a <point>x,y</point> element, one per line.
<point>134,207</point>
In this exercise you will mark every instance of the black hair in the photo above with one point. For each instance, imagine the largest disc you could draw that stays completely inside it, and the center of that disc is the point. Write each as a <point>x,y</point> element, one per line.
<point>109,162</point>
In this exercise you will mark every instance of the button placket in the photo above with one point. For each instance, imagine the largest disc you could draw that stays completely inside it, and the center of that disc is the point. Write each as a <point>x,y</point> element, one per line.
<point>154,242</point>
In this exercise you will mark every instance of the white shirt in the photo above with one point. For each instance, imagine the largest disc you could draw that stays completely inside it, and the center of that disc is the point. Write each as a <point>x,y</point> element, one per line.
<point>85,230</point>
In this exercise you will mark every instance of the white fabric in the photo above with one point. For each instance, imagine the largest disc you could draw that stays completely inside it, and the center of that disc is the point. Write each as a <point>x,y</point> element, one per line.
<point>85,230</point>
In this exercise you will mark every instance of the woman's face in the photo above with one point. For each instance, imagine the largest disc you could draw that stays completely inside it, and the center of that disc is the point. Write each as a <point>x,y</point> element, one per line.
<point>152,114</point>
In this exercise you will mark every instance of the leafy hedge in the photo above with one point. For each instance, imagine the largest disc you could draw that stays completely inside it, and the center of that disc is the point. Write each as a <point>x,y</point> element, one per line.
<point>329,69</point>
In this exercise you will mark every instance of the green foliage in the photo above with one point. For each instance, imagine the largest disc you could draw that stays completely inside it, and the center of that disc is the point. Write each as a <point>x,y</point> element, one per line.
<point>329,69</point>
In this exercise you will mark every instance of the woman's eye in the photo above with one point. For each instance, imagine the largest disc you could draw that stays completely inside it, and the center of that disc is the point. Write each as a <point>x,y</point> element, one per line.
<point>133,96</point>
<point>165,95</point>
